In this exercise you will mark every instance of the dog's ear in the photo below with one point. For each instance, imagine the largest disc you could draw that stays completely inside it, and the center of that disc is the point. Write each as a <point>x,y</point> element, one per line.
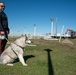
<point>22,35</point>
<point>26,37</point>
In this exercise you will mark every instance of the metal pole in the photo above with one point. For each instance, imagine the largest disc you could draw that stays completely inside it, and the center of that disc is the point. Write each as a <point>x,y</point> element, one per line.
<point>61,33</point>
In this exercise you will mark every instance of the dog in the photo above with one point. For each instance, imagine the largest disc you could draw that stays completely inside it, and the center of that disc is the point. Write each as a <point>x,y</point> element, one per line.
<point>15,50</point>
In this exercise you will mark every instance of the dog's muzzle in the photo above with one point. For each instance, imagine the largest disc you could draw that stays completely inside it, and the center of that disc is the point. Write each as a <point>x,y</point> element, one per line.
<point>28,42</point>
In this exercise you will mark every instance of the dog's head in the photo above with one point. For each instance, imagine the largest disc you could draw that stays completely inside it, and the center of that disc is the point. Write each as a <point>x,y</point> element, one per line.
<point>27,41</point>
<point>23,41</point>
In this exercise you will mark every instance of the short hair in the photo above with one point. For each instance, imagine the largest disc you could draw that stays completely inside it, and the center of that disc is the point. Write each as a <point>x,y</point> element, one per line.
<point>1,2</point>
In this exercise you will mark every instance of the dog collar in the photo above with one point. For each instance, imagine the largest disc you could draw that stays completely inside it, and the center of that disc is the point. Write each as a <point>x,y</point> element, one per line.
<point>20,46</point>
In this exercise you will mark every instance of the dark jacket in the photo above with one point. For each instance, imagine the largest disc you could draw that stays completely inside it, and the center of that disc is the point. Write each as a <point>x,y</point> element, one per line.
<point>3,22</point>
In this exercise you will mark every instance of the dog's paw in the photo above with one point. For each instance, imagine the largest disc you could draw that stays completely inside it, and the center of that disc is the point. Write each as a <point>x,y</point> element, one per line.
<point>24,64</point>
<point>9,64</point>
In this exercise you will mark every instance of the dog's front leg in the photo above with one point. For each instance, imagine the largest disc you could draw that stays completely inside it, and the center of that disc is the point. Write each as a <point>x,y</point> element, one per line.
<point>21,59</point>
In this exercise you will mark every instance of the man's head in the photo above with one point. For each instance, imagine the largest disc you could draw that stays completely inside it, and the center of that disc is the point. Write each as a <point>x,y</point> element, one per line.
<point>2,6</point>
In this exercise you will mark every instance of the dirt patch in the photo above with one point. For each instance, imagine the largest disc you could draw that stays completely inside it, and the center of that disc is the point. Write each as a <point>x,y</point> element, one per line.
<point>67,41</point>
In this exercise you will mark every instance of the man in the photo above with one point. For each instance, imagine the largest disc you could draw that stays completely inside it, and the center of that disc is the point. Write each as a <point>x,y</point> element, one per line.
<point>4,30</point>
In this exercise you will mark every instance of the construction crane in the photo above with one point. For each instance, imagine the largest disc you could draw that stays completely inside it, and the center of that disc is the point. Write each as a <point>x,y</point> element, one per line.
<point>71,32</point>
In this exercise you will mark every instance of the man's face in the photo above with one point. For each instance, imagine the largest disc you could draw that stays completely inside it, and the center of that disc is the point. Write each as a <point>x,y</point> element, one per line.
<point>2,6</point>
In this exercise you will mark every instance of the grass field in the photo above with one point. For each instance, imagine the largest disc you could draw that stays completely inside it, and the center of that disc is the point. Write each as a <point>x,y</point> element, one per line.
<point>47,58</point>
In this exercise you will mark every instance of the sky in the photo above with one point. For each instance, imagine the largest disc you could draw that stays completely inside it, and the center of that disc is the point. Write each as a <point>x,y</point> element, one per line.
<point>23,14</point>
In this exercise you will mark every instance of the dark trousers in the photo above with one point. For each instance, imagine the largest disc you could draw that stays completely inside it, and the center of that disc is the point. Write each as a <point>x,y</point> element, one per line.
<point>2,45</point>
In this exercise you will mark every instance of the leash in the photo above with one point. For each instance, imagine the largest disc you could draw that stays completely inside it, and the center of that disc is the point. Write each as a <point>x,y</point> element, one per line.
<point>11,48</point>
<point>15,44</point>
<point>18,45</point>
<point>7,40</point>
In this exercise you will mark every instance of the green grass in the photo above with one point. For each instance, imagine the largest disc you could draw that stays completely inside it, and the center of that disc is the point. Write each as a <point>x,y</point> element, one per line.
<point>47,58</point>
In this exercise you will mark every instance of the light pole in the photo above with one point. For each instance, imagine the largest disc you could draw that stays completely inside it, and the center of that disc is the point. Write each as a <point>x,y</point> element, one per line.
<point>25,31</point>
<point>34,29</point>
<point>56,25</point>
<point>52,26</point>
<point>11,30</point>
